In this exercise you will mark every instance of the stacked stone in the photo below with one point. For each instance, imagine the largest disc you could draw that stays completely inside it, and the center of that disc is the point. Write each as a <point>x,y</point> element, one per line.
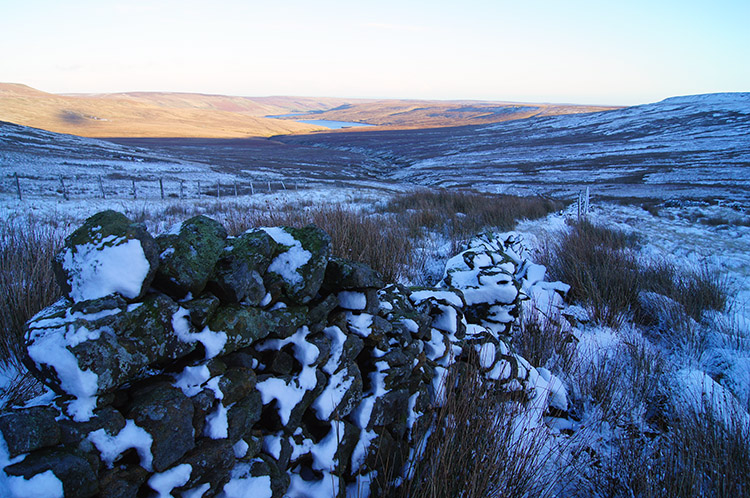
<point>198,364</point>
<point>486,273</point>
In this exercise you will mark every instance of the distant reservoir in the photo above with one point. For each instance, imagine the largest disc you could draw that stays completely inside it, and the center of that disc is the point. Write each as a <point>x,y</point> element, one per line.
<point>334,125</point>
<point>327,123</point>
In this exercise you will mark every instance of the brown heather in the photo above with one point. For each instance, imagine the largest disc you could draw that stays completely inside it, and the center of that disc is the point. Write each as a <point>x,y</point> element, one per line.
<point>27,283</point>
<point>607,277</point>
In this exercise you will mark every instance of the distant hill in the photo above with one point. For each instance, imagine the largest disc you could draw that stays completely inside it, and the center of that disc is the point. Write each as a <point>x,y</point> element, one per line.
<point>128,115</point>
<point>164,114</point>
<point>412,114</point>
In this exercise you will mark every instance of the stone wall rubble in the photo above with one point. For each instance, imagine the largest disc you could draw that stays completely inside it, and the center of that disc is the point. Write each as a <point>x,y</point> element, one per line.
<point>196,364</point>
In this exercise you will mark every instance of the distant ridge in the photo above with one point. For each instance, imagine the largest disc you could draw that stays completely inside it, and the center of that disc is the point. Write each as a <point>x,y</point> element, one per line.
<point>708,98</point>
<point>198,115</point>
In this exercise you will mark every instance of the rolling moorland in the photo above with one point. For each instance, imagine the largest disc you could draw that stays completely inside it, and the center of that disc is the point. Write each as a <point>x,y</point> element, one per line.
<point>163,114</point>
<point>651,344</point>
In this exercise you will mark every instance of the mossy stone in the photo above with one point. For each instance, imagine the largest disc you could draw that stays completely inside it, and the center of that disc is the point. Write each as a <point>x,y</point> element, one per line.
<point>238,276</point>
<point>187,258</point>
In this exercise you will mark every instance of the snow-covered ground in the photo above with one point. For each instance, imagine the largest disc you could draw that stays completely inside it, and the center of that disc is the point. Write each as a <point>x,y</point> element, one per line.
<point>704,370</point>
<point>690,147</point>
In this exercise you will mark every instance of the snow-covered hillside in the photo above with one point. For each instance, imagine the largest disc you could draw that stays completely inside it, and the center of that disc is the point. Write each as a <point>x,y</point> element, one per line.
<point>694,146</point>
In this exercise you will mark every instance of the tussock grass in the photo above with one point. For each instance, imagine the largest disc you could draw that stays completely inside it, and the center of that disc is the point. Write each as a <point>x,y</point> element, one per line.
<point>27,283</point>
<point>542,340</point>
<point>479,445</point>
<point>607,276</point>
<point>602,273</point>
<point>462,214</point>
<point>706,453</point>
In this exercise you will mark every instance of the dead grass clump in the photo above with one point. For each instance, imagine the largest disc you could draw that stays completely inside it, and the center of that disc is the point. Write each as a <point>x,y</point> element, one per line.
<point>379,241</point>
<point>543,341</point>
<point>697,290</point>
<point>602,272</point>
<point>607,276</point>
<point>706,452</point>
<point>464,213</point>
<point>478,445</point>
<point>27,283</point>
<point>701,290</point>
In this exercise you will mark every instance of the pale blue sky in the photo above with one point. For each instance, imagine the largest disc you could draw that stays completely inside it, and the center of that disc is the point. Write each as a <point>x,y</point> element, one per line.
<point>581,51</point>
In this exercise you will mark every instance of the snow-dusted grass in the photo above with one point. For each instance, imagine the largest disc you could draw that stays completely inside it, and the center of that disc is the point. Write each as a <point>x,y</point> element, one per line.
<point>27,283</point>
<point>483,443</point>
<point>661,388</point>
<point>703,453</point>
<point>608,276</point>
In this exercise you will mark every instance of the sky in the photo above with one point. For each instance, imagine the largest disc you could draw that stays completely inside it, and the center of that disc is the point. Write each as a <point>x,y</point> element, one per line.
<point>577,51</point>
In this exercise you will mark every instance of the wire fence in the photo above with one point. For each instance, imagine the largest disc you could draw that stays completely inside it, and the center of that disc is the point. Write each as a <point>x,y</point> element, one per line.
<point>90,187</point>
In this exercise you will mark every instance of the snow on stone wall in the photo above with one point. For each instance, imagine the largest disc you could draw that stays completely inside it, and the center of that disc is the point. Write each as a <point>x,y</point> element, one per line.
<point>257,365</point>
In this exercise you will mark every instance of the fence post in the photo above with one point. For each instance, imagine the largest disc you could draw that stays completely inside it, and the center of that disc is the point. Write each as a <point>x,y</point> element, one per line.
<point>64,190</point>
<point>252,189</point>
<point>182,189</point>
<point>161,188</point>
<point>586,202</point>
<point>218,191</point>
<point>101,187</point>
<point>583,203</point>
<point>282,185</point>
<point>18,187</point>
<point>235,188</point>
<point>199,188</point>
<point>269,186</point>
<point>135,195</point>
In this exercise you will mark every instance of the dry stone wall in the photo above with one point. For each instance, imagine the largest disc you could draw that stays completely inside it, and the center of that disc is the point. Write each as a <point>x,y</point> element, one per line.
<point>196,364</point>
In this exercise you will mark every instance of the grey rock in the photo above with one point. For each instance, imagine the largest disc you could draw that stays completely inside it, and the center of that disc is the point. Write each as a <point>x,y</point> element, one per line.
<point>107,418</point>
<point>187,258</point>
<point>265,465</point>
<point>245,325</point>
<point>344,274</point>
<point>201,309</point>
<point>167,415</point>
<point>278,362</point>
<point>239,273</point>
<point>237,383</point>
<point>211,461</point>
<point>243,415</point>
<point>318,315</point>
<point>305,287</point>
<point>118,347</point>
<point>122,481</point>
<point>29,429</point>
<point>203,404</point>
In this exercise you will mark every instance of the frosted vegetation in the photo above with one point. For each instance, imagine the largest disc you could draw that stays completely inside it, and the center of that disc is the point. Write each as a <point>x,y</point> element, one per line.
<point>651,344</point>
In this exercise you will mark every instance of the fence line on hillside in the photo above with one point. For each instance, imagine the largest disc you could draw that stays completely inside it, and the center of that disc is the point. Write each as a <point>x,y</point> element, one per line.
<point>97,186</point>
